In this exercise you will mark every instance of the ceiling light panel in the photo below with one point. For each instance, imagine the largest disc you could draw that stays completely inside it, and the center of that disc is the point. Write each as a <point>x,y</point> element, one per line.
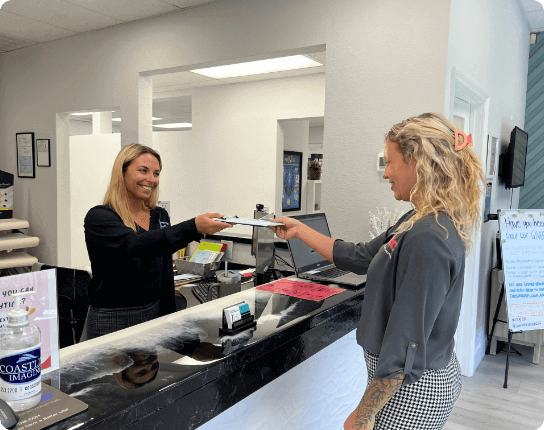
<point>175,125</point>
<point>30,29</point>
<point>275,75</point>
<point>127,10</point>
<point>258,67</point>
<point>60,14</point>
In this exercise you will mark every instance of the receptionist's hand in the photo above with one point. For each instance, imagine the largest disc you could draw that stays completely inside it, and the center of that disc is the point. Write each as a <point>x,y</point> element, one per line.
<point>206,225</point>
<point>288,230</point>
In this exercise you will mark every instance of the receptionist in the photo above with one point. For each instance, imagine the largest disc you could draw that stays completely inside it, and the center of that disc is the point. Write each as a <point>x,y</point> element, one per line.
<point>130,243</point>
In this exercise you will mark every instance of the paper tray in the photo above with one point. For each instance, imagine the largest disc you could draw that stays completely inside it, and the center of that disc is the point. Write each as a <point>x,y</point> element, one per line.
<point>205,270</point>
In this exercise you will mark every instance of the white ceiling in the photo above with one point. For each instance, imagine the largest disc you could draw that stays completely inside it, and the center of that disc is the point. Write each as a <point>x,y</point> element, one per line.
<point>535,14</point>
<point>29,22</point>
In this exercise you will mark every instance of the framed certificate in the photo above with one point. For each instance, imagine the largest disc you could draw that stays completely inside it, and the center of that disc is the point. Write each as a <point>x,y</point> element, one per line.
<point>25,155</point>
<point>43,152</point>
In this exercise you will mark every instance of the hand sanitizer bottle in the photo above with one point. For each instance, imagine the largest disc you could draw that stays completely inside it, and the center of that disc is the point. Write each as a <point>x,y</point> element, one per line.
<point>20,359</point>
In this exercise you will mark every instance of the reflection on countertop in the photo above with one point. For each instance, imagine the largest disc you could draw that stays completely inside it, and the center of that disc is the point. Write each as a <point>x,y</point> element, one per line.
<point>129,374</point>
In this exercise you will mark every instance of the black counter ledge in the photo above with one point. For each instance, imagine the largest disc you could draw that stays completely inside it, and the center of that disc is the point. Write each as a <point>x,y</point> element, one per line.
<point>177,372</point>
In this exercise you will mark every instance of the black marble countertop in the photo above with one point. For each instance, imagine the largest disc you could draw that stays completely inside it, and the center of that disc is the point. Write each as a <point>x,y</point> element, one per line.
<point>178,371</point>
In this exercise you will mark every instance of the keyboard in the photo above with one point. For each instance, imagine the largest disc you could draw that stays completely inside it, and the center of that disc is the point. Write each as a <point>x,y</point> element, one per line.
<point>333,272</point>
<point>200,291</point>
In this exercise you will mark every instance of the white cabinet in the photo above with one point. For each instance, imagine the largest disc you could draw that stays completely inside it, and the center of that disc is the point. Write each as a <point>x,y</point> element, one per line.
<point>313,196</point>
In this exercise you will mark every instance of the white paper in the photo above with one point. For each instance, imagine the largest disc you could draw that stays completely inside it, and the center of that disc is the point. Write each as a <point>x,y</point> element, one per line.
<point>42,152</point>
<point>522,244</point>
<point>249,221</point>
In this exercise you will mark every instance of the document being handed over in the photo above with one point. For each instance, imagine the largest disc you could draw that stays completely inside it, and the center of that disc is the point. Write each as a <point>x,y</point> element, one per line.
<point>249,221</point>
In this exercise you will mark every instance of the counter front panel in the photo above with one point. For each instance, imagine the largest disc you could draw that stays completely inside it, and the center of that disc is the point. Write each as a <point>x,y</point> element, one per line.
<point>179,368</point>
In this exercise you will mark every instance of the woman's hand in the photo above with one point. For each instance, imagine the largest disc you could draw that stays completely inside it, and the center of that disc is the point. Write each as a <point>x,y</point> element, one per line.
<point>206,225</point>
<point>288,230</point>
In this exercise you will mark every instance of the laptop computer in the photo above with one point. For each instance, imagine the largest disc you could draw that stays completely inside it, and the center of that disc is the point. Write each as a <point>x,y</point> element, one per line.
<point>308,264</point>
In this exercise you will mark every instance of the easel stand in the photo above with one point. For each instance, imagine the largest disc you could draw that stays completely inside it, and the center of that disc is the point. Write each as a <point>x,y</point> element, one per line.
<point>510,332</point>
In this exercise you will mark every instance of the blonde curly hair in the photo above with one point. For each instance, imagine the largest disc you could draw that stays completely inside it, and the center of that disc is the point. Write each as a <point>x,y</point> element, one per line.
<point>447,180</point>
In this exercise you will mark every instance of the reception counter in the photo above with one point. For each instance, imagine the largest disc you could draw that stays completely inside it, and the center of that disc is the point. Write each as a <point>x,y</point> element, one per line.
<point>177,372</point>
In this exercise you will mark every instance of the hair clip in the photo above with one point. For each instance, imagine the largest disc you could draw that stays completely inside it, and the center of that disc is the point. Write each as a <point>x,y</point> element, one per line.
<point>467,140</point>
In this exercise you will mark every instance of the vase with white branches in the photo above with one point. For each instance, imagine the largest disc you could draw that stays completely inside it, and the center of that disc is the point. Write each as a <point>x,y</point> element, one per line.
<point>382,219</point>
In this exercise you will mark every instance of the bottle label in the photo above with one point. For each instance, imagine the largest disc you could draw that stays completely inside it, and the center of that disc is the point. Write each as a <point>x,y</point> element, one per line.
<point>20,373</point>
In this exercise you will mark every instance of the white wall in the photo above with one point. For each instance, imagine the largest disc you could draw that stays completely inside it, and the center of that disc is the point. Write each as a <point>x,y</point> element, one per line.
<point>381,68</point>
<point>91,160</point>
<point>316,136</point>
<point>295,138</point>
<point>227,162</point>
<point>489,45</point>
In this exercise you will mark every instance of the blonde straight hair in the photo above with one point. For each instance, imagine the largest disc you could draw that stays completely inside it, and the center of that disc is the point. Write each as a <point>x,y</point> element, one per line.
<point>447,180</point>
<point>116,194</point>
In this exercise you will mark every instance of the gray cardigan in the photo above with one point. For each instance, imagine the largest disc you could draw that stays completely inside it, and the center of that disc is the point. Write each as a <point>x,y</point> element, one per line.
<point>413,295</point>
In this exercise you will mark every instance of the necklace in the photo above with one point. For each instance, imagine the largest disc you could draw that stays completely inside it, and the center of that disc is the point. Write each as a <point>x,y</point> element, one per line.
<point>145,215</point>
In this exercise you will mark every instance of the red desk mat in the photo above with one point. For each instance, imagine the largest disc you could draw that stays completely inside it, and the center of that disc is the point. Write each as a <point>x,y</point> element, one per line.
<point>302,290</point>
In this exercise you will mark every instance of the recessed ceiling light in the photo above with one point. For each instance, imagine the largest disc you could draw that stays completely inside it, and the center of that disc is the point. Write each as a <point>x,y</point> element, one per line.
<point>155,119</point>
<point>81,113</point>
<point>175,125</point>
<point>258,67</point>
<point>116,119</point>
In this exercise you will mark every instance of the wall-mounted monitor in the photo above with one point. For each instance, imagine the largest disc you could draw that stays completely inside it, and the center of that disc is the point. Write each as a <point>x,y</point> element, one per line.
<point>513,163</point>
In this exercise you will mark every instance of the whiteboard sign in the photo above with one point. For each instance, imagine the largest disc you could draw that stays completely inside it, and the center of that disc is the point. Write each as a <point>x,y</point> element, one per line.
<point>522,244</point>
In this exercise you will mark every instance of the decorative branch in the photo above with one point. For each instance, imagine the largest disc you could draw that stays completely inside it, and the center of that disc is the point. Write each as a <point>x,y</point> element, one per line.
<point>382,219</point>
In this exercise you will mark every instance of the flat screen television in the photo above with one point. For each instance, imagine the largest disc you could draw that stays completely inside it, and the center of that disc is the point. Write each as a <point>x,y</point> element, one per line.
<point>513,164</point>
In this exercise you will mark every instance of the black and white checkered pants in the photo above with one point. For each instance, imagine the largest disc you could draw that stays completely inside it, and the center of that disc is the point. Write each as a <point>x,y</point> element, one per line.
<point>101,321</point>
<point>423,405</point>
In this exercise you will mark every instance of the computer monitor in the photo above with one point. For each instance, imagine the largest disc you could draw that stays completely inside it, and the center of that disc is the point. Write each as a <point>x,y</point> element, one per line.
<point>263,241</point>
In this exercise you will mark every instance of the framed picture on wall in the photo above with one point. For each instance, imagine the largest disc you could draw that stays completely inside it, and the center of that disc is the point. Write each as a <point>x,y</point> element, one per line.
<point>43,149</point>
<point>25,155</point>
<point>292,170</point>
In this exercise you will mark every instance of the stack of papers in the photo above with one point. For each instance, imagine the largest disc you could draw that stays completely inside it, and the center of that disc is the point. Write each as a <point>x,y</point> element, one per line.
<point>186,278</point>
<point>208,253</point>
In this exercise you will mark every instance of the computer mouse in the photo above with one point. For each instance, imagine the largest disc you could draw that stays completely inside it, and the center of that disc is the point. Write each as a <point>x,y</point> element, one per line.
<point>8,417</point>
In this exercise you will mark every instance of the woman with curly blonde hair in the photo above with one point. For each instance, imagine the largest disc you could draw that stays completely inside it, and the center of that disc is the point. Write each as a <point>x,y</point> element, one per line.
<point>415,273</point>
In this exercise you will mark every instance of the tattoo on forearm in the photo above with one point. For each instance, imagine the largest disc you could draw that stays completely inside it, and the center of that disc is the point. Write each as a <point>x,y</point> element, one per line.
<point>376,396</point>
